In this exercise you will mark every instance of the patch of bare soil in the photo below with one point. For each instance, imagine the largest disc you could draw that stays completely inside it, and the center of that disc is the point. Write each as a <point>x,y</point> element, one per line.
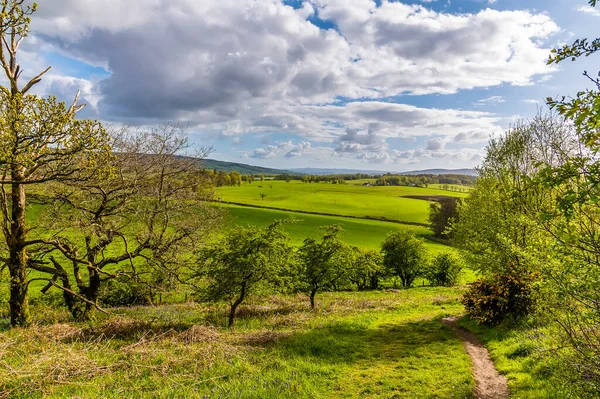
<point>489,384</point>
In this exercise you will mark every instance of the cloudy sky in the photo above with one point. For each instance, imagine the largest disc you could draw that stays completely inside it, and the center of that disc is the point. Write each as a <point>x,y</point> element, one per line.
<point>364,84</point>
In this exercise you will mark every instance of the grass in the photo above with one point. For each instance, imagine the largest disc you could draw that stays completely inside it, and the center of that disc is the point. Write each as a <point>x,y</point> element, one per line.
<point>522,354</point>
<point>337,199</point>
<point>372,345</point>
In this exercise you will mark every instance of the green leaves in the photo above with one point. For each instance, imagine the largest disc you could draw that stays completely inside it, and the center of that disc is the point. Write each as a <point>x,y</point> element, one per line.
<point>404,256</point>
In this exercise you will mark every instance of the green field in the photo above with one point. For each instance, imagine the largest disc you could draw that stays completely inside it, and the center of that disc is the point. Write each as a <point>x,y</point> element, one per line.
<point>337,199</point>
<point>372,345</point>
<point>358,232</point>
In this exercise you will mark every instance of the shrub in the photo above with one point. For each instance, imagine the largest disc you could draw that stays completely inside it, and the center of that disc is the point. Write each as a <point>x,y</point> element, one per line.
<point>444,270</point>
<point>499,297</point>
<point>404,256</point>
<point>366,269</point>
<point>124,291</point>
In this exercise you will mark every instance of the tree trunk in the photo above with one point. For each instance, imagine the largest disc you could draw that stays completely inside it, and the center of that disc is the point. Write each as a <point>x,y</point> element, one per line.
<point>19,304</point>
<point>313,293</point>
<point>235,305</point>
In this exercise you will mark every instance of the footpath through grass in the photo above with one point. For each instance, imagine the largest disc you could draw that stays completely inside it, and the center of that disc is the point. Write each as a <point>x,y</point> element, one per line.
<point>367,345</point>
<point>525,354</point>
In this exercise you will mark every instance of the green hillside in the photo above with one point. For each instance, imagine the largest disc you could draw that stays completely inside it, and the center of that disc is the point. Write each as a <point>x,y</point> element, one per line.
<point>222,166</point>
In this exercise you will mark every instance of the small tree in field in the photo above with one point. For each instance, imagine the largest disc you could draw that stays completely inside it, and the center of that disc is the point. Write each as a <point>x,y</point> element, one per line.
<point>442,214</point>
<point>404,256</point>
<point>444,270</point>
<point>40,141</point>
<point>322,263</point>
<point>246,261</point>
<point>366,269</point>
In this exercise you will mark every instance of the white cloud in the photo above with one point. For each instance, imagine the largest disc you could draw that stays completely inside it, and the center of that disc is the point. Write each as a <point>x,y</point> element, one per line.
<point>589,10</point>
<point>170,58</point>
<point>238,67</point>
<point>490,100</point>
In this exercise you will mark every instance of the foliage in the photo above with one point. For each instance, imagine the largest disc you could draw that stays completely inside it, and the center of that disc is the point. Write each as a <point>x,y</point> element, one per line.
<point>573,222</point>
<point>322,263</point>
<point>442,214</point>
<point>366,269</point>
<point>444,270</point>
<point>404,256</point>
<point>138,217</point>
<point>42,141</point>
<point>498,297</point>
<point>245,262</point>
<point>496,219</point>
<point>124,291</point>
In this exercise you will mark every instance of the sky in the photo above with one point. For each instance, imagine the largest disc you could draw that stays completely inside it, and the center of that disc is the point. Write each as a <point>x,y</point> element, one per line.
<point>356,84</point>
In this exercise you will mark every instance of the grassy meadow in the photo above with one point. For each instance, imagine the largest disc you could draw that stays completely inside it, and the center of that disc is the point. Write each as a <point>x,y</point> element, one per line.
<point>369,345</point>
<point>337,199</point>
<point>381,344</point>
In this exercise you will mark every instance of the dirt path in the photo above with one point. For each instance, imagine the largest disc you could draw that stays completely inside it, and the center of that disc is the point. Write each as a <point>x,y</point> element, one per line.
<point>489,384</point>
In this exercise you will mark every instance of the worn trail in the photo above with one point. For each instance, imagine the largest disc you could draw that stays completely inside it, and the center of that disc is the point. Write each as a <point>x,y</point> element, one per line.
<point>489,384</point>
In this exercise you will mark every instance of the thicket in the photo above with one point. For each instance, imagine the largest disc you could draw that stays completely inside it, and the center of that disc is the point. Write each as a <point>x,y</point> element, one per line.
<point>533,221</point>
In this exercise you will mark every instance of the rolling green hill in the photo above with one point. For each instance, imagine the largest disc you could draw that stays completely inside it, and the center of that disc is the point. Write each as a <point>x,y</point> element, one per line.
<point>382,203</point>
<point>221,166</point>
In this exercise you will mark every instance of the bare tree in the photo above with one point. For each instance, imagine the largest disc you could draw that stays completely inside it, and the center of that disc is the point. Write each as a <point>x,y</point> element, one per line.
<point>145,218</point>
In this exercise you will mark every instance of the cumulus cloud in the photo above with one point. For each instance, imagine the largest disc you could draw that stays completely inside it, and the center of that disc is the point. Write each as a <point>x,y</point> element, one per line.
<point>288,148</point>
<point>589,10</point>
<point>176,58</point>
<point>435,144</point>
<point>237,67</point>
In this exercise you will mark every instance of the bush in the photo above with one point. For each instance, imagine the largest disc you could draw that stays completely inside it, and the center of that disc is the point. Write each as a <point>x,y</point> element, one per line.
<point>404,256</point>
<point>444,270</point>
<point>124,291</point>
<point>499,297</point>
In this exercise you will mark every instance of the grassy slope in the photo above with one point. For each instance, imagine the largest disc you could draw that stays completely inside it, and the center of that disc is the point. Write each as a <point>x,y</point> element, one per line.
<point>346,200</point>
<point>516,352</point>
<point>372,345</point>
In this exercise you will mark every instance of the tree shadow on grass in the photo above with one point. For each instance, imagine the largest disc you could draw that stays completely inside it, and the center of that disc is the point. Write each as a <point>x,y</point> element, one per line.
<point>412,359</point>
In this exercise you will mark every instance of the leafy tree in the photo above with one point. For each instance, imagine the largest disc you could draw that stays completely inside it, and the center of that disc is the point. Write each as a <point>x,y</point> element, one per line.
<point>366,269</point>
<point>444,270</point>
<point>42,141</point>
<point>494,224</point>
<point>140,215</point>
<point>322,263</point>
<point>569,259</point>
<point>404,256</point>
<point>442,214</point>
<point>245,262</point>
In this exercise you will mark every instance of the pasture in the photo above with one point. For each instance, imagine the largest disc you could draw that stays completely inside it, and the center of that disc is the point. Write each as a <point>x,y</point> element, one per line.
<point>337,199</point>
<point>375,344</point>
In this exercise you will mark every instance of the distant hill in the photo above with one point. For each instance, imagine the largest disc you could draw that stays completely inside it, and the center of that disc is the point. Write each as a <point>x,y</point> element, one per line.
<point>253,170</point>
<point>222,166</point>
<point>320,172</point>
<point>467,172</point>
<point>324,171</point>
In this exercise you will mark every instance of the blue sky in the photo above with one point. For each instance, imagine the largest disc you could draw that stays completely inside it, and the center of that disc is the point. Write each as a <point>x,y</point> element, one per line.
<point>361,84</point>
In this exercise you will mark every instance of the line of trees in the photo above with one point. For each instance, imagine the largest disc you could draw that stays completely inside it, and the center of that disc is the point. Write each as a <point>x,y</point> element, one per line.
<point>449,181</point>
<point>250,261</point>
